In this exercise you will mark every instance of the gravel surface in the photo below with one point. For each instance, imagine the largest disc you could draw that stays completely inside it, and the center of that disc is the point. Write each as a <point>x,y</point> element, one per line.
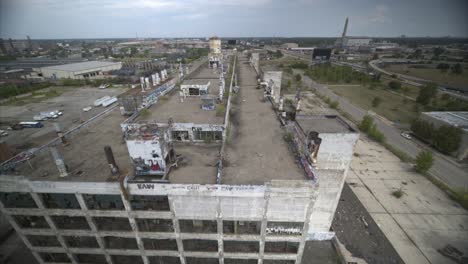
<point>356,229</point>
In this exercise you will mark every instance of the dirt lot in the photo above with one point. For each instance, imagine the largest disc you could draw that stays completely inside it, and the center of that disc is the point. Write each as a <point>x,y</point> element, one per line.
<point>71,101</point>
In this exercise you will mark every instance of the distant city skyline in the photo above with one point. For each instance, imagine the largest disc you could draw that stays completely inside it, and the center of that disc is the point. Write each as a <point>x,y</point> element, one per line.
<point>55,19</point>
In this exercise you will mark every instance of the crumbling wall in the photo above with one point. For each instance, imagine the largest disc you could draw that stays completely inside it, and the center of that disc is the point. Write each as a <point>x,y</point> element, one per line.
<point>275,77</point>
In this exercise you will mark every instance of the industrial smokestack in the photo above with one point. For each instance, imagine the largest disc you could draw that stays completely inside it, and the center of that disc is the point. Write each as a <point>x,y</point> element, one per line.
<point>345,28</point>
<point>110,160</point>
<point>62,168</point>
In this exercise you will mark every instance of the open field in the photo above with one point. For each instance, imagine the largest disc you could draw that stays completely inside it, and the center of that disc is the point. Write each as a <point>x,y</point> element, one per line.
<point>393,106</point>
<point>432,74</point>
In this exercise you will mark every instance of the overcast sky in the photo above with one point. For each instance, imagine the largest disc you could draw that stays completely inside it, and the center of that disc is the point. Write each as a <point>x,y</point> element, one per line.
<point>230,18</point>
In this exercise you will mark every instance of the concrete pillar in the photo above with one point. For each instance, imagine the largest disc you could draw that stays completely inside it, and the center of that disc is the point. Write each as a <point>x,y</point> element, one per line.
<point>20,233</point>
<point>219,221</point>
<point>175,223</point>
<point>51,223</point>
<point>133,224</point>
<point>305,229</point>
<point>93,227</point>
<point>264,225</point>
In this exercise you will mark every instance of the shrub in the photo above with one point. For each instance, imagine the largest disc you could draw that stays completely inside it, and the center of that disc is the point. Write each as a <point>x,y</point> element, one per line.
<point>424,161</point>
<point>376,102</point>
<point>366,123</point>
<point>288,137</point>
<point>398,193</point>
<point>334,104</point>
<point>394,85</point>
<point>220,110</point>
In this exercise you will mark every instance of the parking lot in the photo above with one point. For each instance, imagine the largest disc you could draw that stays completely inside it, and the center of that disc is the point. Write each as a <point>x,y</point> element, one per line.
<point>71,102</point>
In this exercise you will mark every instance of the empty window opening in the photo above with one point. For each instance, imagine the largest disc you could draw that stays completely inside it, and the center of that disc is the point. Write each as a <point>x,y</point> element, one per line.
<point>180,135</point>
<point>278,261</point>
<point>241,246</point>
<point>281,247</point>
<point>242,227</point>
<point>164,260</point>
<point>91,258</point>
<point>202,260</point>
<point>122,259</point>
<point>17,200</point>
<point>284,228</point>
<point>60,200</point>
<point>207,135</point>
<point>31,221</point>
<point>147,202</point>
<point>54,257</point>
<point>155,225</point>
<point>43,241</point>
<point>81,241</point>
<point>111,242</point>
<point>198,226</point>
<point>112,224</point>
<point>159,244</point>
<point>240,261</point>
<point>70,222</point>
<point>200,245</point>
<point>103,202</point>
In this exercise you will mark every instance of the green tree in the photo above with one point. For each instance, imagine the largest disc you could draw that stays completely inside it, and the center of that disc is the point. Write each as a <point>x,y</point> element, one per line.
<point>394,85</point>
<point>457,68</point>
<point>426,93</point>
<point>424,161</point>
<point>423,129</point>
<point>438,51</point>
<point>298,77</point>
<point>443,67</point>
<point>447,138</point>
<point>133,51</point>
<point>376,102</point>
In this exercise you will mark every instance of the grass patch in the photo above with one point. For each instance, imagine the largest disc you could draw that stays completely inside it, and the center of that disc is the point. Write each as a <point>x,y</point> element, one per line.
<point>220,110</point>
<point>432,74</point>
<point>393,106</point>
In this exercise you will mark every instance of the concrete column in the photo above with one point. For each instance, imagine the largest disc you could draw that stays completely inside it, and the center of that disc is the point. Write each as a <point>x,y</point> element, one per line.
<point>133,224</point>
<point>84,207</point>
<point>51,223</point>
<point>20,233</point>
<point>264,225</point>
<point>219,220</point>
<point>175,223</point>
<point>305,229</point>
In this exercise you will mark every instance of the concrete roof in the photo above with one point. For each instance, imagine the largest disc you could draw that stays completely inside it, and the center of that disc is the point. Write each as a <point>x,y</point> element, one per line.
<point>457,119</point>
<point>81,66</point>
<point>323,124</point>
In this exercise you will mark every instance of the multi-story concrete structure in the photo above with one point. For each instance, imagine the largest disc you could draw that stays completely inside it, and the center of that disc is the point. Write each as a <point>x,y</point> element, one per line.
<point>215,55</point>
<point>167,186</point>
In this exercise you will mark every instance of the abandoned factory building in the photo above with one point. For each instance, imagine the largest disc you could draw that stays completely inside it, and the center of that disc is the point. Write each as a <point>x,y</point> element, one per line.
<point>209,173</point>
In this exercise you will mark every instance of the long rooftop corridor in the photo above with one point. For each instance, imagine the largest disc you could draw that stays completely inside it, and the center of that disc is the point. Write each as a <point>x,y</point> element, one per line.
<point>257,152</point>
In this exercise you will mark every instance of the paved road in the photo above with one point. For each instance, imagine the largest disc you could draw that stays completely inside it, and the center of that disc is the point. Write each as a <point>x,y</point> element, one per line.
<point>451,174</point>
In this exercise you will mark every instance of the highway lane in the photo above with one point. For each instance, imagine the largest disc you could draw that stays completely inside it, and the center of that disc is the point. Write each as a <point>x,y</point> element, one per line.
<point>454,176</point>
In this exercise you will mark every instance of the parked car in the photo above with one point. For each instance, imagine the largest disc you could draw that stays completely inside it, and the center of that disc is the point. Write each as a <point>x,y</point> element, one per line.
<point>406,135</point>
<point>3,133</point>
